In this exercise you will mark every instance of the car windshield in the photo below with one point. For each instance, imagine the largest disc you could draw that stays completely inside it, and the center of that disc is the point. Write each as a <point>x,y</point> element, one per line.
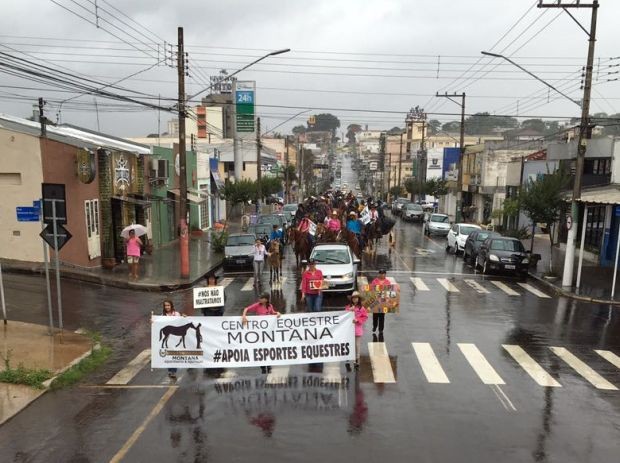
<point>272,219</point>
<point>414,207</point>
<point>439,218</point>
<point>331,256</point>
<point>467,230</point>
<point>482,236</point>
<point>290,207</point>
<point>259,230</point>
<point>507,245</point>
<point>240,240</point>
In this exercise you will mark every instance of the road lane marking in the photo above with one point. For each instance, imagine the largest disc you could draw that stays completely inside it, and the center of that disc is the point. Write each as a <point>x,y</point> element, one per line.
<point>132,368</point>
<point>226,281</point>
<point>331,373</point>
<point>609,356</point>
<point>584,370</point>
<point>505,288</point>
<point>477,286</point>
<point>448,285</point>
<point>169,381</point>
<point>503,398</point>
<point>249,285</point>
<point>479,363</point>
<point>278,375</point>
<point>140,429</point>
<point>533,290</point>
<point>530,366</point>
<point>419,284</point>
<point>380,361</point>
<point>430,365</point>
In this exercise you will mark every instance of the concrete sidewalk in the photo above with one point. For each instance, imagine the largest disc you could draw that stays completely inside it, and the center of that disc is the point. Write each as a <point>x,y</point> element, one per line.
<point>30,346</point>
<point>596,281</point>
<point>158,272</point>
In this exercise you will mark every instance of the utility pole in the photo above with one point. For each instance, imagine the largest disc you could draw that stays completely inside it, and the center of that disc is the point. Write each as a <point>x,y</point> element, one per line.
<point>183,232</point>
<point>400,160</point>
<point>584,132</point>
<point>259,167</point>
<point>237,157</point>
<point>459,178</point>
<point>422,159</point>
<point>287,180</point>
<point>42,120</point>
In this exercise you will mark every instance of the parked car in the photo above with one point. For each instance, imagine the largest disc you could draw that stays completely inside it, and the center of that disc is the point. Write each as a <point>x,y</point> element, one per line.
<point>290,209</point>
<point>261,231</point>
<point>437,224</point>
<point>458,235</point>
<point>398,204</point>
<point>239,250</point>
<point>502,254</point>
<point>473,243</point>
<point>413,212</point>
<point>339,266</point>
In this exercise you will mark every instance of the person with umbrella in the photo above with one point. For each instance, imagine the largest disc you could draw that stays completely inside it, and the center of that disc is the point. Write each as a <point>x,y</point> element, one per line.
<point>133,245</point>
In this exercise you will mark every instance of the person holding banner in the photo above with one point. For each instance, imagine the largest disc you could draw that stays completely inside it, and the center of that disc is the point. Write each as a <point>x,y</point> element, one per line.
<point>262,307</point>
<point>311,286</point>
<point>168,311</point>
<point>360,317</point>
<point>216,311</point>
<point>378,318</point>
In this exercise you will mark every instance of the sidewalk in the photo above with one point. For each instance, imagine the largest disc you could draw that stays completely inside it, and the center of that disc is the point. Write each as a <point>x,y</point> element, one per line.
<point>30,345</point>
<point>595,280</point>
<point>158,272</point>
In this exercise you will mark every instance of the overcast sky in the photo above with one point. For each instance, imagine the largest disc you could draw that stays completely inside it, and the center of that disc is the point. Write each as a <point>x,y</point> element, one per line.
<point>378,56</point>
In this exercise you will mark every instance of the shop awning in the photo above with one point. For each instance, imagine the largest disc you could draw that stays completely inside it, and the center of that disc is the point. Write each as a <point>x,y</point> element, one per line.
<point>219,184</point>
<point>192,196</point>
<point>608,194</point>
<point>128,199</point>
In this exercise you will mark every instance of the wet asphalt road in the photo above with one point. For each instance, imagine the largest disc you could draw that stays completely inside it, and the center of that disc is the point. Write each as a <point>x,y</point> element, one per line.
<point>236,416</point>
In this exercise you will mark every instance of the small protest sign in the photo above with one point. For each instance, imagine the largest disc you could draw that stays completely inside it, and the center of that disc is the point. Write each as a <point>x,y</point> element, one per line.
<point>381,298</point>
<point>210,296</point>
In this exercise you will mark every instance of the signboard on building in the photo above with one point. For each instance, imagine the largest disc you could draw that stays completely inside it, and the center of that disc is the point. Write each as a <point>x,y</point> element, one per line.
<point>244,104</point>
<point>373,165</point>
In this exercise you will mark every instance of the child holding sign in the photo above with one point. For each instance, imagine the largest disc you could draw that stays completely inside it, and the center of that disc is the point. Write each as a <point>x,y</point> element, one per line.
<point>360,317</point>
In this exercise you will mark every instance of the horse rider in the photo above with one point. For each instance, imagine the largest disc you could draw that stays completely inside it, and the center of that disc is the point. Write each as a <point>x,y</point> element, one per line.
<point>374,215</point>
<point>276,234</point>
<point>300,213</point>
<point>333,224</point>
<point>354,225</point>
<point>304,227</point>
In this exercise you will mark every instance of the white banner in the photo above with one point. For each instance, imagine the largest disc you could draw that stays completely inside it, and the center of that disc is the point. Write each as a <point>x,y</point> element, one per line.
<point>311,227</point>
<point>209,296</point>
<point>365,216</point>
<point>223,342</point>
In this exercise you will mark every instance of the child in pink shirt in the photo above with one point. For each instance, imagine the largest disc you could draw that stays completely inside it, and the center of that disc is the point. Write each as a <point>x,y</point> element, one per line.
<point>360,317</point>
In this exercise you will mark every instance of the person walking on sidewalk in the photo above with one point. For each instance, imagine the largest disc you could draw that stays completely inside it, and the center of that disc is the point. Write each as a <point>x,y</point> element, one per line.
<point>217,311</point>
<point>262,307</point>
<point>311,287</point>
<point>133,244</point>
<point>360,316</point>
<point>168,311</point>
<point>378,319</point>
<point>259,260</point>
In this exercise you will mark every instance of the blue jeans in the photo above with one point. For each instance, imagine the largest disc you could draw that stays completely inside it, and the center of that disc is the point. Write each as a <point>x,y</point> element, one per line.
<point>314,302</point>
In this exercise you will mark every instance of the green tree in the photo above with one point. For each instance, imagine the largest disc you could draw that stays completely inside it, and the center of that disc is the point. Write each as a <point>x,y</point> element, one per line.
<point>270,186</point>
<point>413,187</point>
<point>542,200</point>
<point>433,126</point>
<point>436,187</point>
<point>396,191</point>
<point>241,191</point>
<point>484,123</point>
<point>352,131</point>
<point>612,127</point>
<point>299,129</point>
<point>534,124</point>
<point>395,131</point>
<point>452,126</point>
<point>325,122</point>
<point>552,127</point>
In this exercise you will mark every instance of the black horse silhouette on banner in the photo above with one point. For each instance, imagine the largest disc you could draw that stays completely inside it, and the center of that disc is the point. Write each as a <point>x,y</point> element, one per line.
<point>180,331</point>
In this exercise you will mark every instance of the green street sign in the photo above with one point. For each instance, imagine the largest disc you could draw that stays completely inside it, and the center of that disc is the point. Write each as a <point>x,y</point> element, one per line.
<point>244,103</point>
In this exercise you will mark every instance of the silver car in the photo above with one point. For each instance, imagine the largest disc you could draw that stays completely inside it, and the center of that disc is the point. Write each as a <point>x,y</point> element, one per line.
<point>437,224</point>
<point>338,265</point>
<point>239,250</point>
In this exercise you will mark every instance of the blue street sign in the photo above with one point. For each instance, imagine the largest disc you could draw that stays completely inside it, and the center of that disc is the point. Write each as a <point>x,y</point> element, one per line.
<point>617,211</point>
<point>36,204</point>
<point>28,214</point>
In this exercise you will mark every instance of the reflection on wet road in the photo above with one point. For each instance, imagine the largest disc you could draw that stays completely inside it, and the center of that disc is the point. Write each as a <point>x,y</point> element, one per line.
<point>474,368</point>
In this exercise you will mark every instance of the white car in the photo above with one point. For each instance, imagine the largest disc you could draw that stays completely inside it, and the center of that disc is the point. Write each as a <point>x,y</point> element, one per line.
<point>437,224</point>
<point>339,266</point>
<point>458,235</point>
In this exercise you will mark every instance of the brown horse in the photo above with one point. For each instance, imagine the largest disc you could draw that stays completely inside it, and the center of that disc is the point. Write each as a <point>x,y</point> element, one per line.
<point>301,244</point>
<point>372,235</point>
<point>351,240</point>
<point>275,262</point>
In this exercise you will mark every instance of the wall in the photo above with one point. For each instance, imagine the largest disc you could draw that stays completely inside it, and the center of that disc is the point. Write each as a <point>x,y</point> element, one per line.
<point>60,166</point>
<point>19,153</point>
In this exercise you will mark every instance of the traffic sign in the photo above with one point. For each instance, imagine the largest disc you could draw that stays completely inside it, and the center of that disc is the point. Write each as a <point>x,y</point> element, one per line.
<point>63,235</point>
<point>28,214</point>
<point>54,193</point>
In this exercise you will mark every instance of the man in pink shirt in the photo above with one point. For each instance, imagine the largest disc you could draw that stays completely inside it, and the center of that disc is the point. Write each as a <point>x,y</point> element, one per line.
<point>333,224</point>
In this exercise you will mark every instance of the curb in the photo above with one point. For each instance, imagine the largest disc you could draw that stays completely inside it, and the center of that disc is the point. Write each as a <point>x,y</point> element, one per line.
<point>33,269</point>
<point>48,383</point>
<point>563,292</point>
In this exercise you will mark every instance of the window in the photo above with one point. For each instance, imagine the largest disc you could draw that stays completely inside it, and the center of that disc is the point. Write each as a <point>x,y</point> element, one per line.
<point>507,245</point>
<point>332,256</point>
<point>595,227</point>
<point>467,230</point>
<point>10,178</point>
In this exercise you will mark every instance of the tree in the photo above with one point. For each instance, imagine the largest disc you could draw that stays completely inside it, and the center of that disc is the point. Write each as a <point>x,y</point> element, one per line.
<point>485,123</point>
<point>413,187</point>
<point>270,186</point>
<point>352,131</point>
<point>534,124</point>
<point>552,127</point>
<point>395,131</point>
<point>299,129</point>
<point>241,191</point>
<point>613,127</point>
<point>436,187</point>
<point>325,122</point>
<point>452,126</point>
<point>308,169</point>
<point>433,126</point>
<point>542,200</point>
<point>396,191</point>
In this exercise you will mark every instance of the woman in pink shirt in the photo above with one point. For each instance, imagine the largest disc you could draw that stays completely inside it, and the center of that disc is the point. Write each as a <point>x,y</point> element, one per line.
<point>360,314</point>
<point>133,244</point>
<point>311,285</point>
<point>262,307</point>
<point>333,224</point>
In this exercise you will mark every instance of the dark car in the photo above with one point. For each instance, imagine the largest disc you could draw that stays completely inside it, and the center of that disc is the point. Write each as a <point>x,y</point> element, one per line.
<point>473,243</point>
<point>262,231</point>
<point>502,254</point>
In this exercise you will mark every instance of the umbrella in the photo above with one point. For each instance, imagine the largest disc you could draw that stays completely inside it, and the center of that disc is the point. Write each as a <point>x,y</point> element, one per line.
<point>139,229</point>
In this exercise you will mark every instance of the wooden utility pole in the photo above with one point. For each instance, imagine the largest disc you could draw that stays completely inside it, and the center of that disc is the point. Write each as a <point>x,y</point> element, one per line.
<point>459,178</point>
<point>584,132</point>
<point>183,231</point>
<point>287,180</point>
<point>400,160</point>
<point>259,167</point>
<point>42,120</point>
<point>422,161</point>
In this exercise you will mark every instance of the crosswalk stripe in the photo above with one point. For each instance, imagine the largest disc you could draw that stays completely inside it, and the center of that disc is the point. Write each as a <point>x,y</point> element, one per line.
<point>479,363</point>
<point>448,285</point>
<point>533,290</point>
<point>505,288</point>
<point>429,363</point>
<point>419,284</point>
<point>331,372</point>
<point>380,361</point>
<point>226,281</point>
<point>132,368</point>
<point>477,287</point>
<point>609,356</point>
<point>249,285</point>
<point>362,281</point>
<point>530,366</point>
<point>584,370</point>
<point>278,375</point>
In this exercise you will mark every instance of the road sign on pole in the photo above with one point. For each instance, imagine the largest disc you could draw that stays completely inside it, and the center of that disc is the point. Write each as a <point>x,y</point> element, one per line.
<point>62,236</point>
<point>54,193</point>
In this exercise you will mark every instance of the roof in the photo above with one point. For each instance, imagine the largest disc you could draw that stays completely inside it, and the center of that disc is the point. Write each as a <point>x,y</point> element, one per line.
<point>608,194</point>
<point>72,135</point>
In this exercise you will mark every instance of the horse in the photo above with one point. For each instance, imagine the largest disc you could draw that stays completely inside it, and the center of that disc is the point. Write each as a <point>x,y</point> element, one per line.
<point>301,244</point>
<point>275,262</point>
<point>351,239</point>
<point>180,331</point>
<point>372,234</point>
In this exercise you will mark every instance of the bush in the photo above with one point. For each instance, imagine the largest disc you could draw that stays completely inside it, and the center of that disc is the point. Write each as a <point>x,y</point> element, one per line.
<point>522,233</point>
<point>218,241</point>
